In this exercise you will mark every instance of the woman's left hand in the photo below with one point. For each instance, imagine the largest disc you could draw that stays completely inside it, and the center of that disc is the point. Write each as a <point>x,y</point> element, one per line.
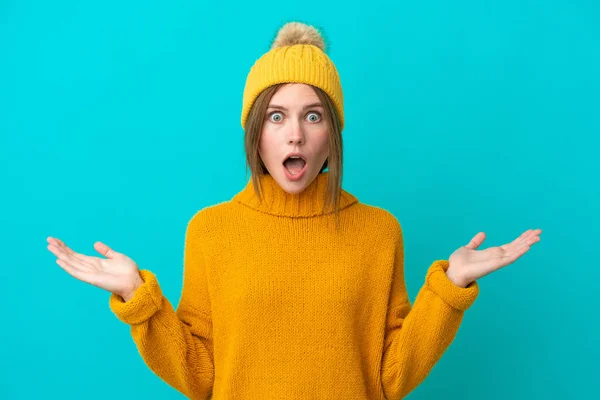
<point>468,264</point>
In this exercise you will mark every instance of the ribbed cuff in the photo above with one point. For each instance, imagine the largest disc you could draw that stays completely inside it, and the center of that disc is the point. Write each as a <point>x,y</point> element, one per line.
<point>146,300</point>
<point>456,296</point>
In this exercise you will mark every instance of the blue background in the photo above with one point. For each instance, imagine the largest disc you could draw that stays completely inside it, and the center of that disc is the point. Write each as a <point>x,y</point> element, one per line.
<point>119,120</point>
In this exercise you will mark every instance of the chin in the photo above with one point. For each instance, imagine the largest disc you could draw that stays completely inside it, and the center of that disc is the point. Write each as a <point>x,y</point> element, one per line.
<point>294,187</point>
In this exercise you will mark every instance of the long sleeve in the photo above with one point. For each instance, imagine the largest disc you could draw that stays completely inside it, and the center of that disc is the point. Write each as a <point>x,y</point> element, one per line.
<point>176,345</point>
<point>417,335</point>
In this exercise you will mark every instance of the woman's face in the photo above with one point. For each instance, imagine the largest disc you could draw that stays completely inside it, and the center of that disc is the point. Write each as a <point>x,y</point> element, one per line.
<point>294,123</point>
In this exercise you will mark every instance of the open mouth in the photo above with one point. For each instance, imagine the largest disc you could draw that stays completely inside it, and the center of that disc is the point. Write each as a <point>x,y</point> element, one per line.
<point>294,164</point>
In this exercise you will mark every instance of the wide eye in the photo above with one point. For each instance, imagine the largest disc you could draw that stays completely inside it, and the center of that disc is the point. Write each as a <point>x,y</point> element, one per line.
<point>275,116</point>
<point>314,116</point>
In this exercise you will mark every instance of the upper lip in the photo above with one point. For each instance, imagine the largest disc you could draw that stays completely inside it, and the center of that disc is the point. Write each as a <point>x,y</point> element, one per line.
<point>295,155</point>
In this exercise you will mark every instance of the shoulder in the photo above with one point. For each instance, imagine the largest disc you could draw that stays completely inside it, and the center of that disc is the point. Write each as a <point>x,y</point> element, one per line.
<point>379,220</point>
<point>209,216</point>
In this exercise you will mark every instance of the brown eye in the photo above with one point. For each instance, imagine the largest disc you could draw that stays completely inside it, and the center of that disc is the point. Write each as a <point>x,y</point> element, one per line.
<point>314,117</point>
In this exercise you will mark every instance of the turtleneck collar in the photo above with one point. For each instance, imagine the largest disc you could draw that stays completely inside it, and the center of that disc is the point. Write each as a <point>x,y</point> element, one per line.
<point>276,201</point>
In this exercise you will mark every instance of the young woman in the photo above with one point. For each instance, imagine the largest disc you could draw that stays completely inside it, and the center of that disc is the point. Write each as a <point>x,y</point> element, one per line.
<point>293,289</point>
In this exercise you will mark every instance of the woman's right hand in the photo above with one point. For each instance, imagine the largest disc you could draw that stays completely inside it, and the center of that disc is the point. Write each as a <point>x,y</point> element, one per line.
<point>116,273</point>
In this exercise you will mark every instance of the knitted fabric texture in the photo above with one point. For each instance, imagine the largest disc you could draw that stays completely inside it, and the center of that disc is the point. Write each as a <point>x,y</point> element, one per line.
<point>278,304</point>
<point>300,63</point>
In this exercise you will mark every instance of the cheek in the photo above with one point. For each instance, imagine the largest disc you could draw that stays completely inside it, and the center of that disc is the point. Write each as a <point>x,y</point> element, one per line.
<point>262,139</point>
<point>324,142</point>
<point>265,143</point>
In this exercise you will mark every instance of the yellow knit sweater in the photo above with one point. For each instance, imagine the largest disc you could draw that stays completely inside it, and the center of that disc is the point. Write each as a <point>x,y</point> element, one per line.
<point>277,304</point>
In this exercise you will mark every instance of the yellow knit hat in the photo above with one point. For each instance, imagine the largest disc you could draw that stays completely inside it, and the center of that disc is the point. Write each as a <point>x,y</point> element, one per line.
<point>297,55</point>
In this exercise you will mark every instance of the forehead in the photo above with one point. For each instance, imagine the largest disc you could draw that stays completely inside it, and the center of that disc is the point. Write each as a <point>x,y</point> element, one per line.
<point>294,93</point>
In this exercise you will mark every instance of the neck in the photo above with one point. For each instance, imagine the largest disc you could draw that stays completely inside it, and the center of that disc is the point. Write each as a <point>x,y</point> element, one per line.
<point>276,201</point>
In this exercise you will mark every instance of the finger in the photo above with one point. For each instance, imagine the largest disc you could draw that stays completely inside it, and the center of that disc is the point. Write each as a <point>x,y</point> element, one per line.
<point>527,239</point>
<point>522,238</point>
<point>58,243</point>
<point>104,250</point>
<point>529,234</point>
<point>476,241</point>
<point>532,240</point>
<point>57,251</point>
<point>514,256</point>
<point>501,257</point>
<point>512,251</point>
<point>527,243</point>
<point>516,250</point>
<point>83,259</point>
<point>75,272</point>
<point>61,245</point>
<point>73,261</point>
<point>60,251</point>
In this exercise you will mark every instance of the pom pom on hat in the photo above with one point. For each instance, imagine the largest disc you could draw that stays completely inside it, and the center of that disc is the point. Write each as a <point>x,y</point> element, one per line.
<point>294,33</point>
<point>297,55</point>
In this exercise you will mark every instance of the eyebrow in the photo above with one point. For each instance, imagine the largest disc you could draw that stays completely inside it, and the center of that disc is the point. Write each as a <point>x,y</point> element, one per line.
<point>305,107</point>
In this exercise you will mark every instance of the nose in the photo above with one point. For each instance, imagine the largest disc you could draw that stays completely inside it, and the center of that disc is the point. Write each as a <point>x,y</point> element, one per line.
<point>296,135</point>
